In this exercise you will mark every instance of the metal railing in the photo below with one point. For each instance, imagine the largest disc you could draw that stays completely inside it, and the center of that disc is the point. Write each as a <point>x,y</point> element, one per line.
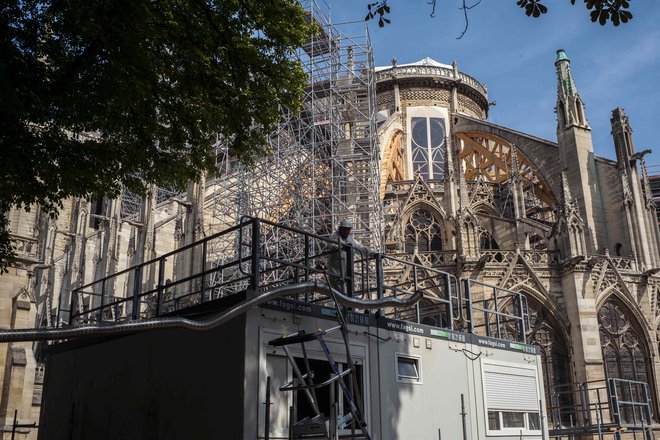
<point>494,311</point>
<point>257,255</point>
<point>601,408</point>
<point>441,301</point>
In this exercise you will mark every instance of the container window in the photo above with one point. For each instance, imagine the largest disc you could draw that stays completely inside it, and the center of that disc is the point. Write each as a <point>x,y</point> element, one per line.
<point>513,419</point>
<point>534,421</point>
<point>494,420</point>
<point>407,369</point>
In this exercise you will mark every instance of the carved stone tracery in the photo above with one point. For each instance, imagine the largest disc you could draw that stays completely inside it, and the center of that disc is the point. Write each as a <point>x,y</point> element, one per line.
<point>423,232</point>
<point>625,353</point>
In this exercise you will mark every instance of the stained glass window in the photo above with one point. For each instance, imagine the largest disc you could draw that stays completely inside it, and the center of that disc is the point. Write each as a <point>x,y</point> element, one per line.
<point>437,128</point>
<point>420,156</point>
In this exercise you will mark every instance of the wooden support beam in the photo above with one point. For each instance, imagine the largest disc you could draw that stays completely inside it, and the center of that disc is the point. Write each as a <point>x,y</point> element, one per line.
<point>483,151</point>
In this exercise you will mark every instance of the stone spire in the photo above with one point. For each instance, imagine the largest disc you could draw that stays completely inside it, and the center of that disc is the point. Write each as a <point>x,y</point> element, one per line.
<point>576,153</point>
<point>570,108</point>
<point>516,185</point>
<point>638,205</point>
<point>622,134</point>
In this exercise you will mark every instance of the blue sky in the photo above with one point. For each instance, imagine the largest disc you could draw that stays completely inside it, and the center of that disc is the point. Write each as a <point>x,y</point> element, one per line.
<point>514,55</point>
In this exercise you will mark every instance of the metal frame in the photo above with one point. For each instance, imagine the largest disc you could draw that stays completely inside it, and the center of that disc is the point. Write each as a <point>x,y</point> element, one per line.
<point>323,161</point>
<point>603,408</point>
<point>157,287</point>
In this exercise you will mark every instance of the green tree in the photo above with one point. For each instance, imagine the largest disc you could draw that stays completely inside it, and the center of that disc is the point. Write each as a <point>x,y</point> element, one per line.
<point>98,94</point>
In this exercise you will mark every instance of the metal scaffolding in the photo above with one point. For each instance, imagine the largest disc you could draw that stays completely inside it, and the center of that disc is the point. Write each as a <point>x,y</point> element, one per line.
<point>324,161</point>
<point>131,203</point>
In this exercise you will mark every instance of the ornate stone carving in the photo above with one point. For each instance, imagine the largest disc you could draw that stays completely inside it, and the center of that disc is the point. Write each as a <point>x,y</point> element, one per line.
<point>625,187</point>
<point>27,248</point>
<point>480,192</point>
<point>605,276</point>
<point>425,95</point>
<point>624,352</point>
<point>467,105</point>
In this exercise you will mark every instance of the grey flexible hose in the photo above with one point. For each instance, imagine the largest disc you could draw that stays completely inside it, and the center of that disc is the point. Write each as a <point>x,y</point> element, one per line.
<point>135,326</point>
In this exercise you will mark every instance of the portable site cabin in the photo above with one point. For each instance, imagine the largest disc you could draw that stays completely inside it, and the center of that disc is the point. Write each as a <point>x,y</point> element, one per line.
<point>418,381</point>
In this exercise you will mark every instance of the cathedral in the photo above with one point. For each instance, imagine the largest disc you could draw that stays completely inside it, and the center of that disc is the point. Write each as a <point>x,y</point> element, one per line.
<point>577,234</point>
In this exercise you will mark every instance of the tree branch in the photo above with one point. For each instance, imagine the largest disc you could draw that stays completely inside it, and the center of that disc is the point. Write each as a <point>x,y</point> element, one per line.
<point>465,8</point>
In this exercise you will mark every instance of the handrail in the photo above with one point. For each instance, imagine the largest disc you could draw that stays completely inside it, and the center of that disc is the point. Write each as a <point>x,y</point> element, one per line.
<point>451,301</point>
<point>164,256</point>
<point>519,305</point>
<point>598,405</point>
<point>446,297</point>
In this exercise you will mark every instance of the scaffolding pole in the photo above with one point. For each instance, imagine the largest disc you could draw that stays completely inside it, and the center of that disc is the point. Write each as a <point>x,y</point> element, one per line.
<point>324,160</point>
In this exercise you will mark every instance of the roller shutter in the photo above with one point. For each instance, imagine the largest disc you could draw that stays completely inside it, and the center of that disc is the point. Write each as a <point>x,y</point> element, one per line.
<point>510,388</point>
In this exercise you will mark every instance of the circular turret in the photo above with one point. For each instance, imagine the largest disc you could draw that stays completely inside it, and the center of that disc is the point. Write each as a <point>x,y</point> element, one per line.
<point>429,83</point>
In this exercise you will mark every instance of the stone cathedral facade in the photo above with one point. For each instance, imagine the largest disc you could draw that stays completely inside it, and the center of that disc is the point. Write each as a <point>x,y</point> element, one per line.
<point>576,233</point>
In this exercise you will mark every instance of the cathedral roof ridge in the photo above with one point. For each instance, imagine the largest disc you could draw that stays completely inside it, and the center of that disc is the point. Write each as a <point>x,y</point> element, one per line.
<point>510,130</point>
<point>426,61</point>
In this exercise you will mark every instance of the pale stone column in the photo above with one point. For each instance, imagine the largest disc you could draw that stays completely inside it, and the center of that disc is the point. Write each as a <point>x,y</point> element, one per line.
<point>582,315</point>
<point>142,239</point>
<point>189,262</point>
<point>19,368</point>
<point>106,251</point>
<point>518,201</point>
<point>638,202</point>
<point>74,269</point>
<point>451,186</point>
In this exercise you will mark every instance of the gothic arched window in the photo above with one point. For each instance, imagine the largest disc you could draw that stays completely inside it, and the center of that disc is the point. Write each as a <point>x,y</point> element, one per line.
<point>624,351</point>
<point>487,242</point>
<point>427,146</point>
<point>423,232</point>
<point>543,331</point>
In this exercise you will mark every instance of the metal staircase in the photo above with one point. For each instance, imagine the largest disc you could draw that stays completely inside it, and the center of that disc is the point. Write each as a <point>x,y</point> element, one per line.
<point>324,426</point>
